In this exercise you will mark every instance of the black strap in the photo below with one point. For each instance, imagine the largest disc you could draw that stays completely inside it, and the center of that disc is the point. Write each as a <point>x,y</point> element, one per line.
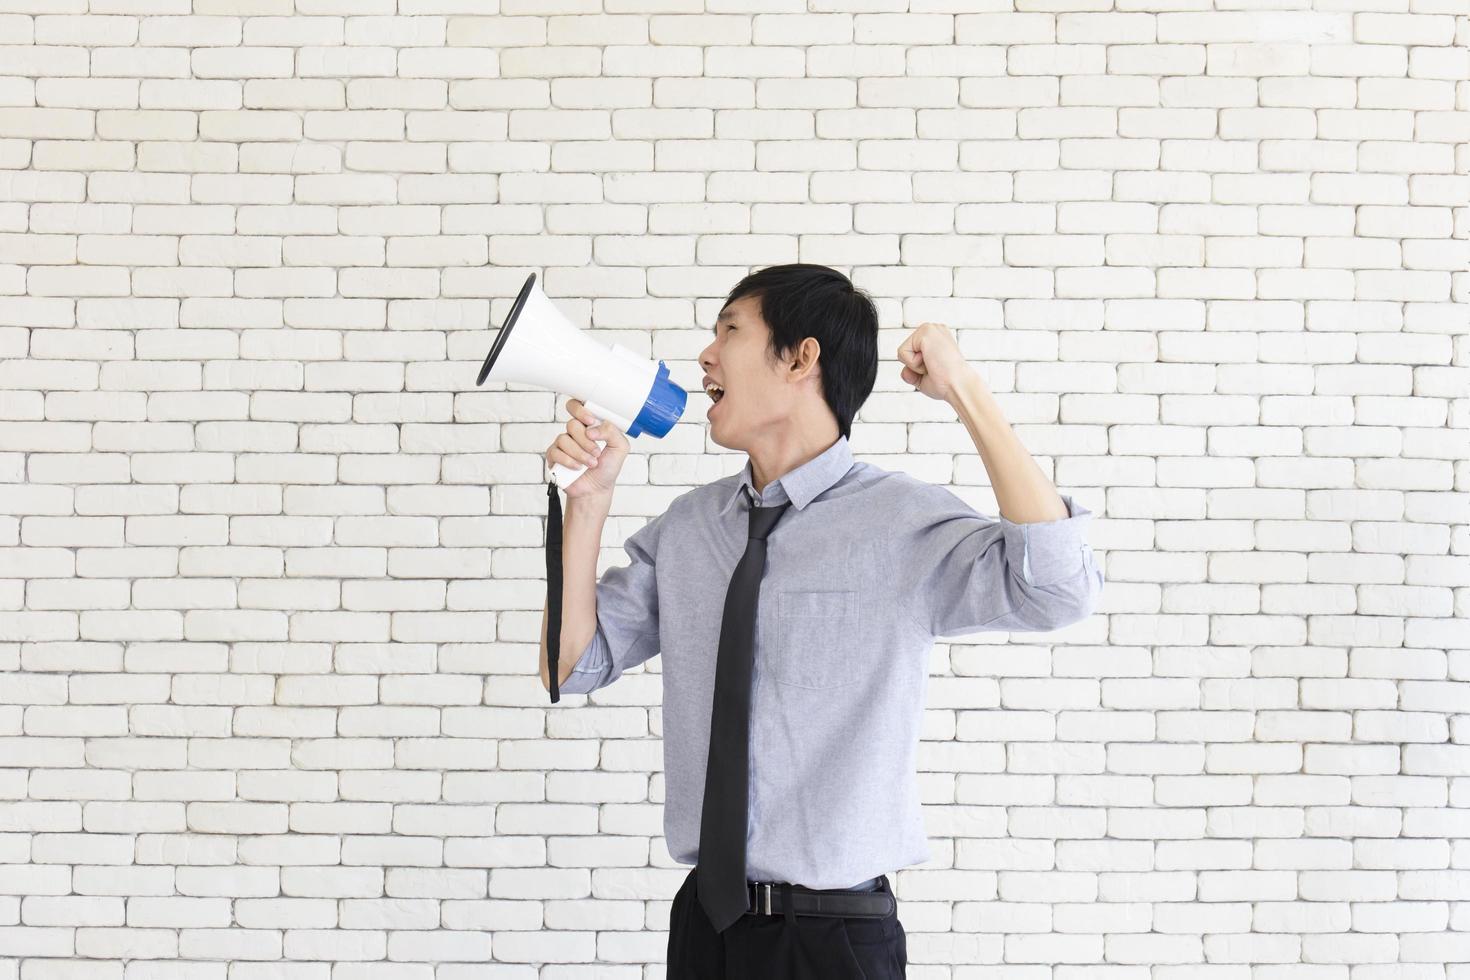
<point>553,588</point>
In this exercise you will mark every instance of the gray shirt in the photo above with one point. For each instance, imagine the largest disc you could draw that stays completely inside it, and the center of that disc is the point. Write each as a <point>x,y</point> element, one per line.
<point>863,571</point>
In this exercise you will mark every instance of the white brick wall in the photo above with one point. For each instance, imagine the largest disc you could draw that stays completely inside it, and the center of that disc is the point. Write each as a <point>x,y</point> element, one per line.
<point>270,564</point>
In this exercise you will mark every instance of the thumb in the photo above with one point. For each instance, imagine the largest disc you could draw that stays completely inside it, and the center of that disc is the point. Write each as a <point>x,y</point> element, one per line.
<point>607,432</point>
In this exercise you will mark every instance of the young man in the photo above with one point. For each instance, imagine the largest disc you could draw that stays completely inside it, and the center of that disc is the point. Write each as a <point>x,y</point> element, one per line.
<point>862,569</point>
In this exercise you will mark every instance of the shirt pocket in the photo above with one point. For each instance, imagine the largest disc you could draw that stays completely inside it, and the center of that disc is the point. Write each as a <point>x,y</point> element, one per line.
<point>816,638</point>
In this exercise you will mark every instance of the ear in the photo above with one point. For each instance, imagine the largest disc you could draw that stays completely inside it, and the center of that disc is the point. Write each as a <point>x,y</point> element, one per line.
<point>808,353</point>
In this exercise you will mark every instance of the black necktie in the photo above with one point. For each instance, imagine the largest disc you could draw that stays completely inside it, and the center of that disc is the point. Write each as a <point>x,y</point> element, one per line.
<point>720,870</point>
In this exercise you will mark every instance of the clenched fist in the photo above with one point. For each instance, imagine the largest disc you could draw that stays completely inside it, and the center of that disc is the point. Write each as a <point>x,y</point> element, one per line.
<point>932,361</point>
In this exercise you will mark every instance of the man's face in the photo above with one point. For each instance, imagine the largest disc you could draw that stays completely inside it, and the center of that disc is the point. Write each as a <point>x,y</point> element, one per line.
<point>758,401</point>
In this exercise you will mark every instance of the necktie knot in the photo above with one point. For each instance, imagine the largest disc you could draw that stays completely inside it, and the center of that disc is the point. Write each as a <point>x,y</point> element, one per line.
<point>763,519</point>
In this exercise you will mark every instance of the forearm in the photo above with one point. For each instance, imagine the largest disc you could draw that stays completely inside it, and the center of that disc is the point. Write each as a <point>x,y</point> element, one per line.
<point>1022,490</point>
<point>581,537</point>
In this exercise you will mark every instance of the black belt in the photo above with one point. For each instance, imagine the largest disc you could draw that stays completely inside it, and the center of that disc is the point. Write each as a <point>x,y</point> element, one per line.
<point>768,898</point>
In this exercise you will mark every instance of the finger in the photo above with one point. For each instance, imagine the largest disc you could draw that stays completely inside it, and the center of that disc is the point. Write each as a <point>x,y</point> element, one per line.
<point>587,436</point>
<point>578,435</point>
<point>575,451</point>
<point>587,443</point>
<point>601,429</point>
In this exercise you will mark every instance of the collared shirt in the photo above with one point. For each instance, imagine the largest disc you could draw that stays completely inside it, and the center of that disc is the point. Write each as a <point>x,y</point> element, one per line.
<point>862,572</point>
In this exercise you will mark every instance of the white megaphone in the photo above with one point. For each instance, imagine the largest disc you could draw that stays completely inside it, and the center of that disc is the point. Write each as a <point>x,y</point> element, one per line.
<point>537,345</point>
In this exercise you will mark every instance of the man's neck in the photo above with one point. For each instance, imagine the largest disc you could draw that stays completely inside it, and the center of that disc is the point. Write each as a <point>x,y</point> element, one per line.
<point>768,466</point>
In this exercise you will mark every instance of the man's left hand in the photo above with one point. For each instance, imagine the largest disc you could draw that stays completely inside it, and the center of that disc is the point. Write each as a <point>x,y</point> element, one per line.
<point>933,362</point>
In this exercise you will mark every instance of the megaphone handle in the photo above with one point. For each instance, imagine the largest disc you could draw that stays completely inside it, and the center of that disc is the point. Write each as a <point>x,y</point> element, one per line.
<point>565,476</point>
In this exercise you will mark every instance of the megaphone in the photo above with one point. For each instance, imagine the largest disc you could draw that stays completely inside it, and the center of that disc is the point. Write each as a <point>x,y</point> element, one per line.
<point>537,345</point>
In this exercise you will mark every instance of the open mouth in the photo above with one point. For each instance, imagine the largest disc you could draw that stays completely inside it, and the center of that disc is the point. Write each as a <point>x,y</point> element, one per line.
<point>715,392</point>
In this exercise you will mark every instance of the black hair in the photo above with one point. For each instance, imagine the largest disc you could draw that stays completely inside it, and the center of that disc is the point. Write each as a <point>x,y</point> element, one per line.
<point>800,300</point>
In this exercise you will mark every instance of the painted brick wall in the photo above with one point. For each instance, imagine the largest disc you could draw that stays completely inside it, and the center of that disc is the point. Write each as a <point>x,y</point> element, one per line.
<point>270,565</point>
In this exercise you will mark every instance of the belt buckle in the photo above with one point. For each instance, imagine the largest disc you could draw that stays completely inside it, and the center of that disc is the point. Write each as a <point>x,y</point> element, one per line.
<point>756,887</point>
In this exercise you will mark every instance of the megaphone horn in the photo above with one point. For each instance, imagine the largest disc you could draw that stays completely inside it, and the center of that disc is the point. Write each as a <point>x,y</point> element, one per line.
<point>537,345</point>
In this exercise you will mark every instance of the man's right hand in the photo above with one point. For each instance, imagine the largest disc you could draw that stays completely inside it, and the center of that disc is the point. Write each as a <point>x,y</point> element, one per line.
<point>578,447</point>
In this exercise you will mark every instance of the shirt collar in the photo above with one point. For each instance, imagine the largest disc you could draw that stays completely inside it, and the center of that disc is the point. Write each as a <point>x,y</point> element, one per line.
<point>802,485</point>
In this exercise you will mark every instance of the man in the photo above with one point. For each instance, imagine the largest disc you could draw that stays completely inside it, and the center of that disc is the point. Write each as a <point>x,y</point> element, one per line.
<point>863,568</point>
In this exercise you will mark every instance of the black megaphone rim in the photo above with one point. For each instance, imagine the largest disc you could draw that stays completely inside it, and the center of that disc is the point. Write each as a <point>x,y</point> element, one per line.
<point>504,333</point>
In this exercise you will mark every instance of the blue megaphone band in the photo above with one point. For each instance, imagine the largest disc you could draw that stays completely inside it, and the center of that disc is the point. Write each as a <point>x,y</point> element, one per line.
<point>662,408</point>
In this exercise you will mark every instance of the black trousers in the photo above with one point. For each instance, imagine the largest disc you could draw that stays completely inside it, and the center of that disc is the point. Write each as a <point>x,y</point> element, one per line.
<point>783,947</point>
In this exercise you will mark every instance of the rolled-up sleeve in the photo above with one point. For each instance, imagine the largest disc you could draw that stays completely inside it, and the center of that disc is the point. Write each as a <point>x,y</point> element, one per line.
<point>963,572</point>
<point>627,616</point>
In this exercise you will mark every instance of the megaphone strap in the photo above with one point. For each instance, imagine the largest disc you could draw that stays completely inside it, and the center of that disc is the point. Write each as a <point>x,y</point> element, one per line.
<point>553,588</point>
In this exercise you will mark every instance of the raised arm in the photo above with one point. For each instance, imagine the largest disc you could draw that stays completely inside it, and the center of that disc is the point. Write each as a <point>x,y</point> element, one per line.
<point>1030,568</point>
